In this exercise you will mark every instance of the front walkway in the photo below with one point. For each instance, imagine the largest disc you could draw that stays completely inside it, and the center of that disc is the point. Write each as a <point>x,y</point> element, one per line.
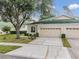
<point>41,48</point>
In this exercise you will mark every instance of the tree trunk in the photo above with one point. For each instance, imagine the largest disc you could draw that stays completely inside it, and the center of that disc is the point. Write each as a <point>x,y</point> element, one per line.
<point>17,33</point>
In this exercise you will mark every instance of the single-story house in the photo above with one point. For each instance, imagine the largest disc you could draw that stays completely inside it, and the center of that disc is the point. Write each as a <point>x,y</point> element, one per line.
<point>23,29</point>
<point>53,27</point>
<point>3,24</point>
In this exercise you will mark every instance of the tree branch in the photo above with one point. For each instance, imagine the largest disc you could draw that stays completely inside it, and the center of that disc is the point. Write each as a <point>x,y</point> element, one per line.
<point>25,18</point>
<point>12,22</point>
<point>23,21</point>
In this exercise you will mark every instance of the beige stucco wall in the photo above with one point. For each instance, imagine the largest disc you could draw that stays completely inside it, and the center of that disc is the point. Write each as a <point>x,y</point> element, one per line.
<point>69,33</point>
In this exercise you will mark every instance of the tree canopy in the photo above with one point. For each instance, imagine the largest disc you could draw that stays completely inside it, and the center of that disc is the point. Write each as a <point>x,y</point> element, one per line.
<point>16,11</point>
<point>46,8</point>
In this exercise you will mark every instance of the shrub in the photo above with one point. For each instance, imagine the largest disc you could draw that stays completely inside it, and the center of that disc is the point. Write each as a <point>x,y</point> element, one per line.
<point>6,29</point>
<point>63,36</point>
<point>33,36</point>
<point>21,32</point>
<point>26,34</point>
<point>37,34</point>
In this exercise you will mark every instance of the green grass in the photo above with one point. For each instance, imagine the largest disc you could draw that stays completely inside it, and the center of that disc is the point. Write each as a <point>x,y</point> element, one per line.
<point>12,39</point>
<point>5,49</point>
<point>65,42</point>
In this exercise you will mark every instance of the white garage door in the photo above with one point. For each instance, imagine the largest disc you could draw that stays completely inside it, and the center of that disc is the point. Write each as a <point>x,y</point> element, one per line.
<point>49,32</point>
<point>72,32</point>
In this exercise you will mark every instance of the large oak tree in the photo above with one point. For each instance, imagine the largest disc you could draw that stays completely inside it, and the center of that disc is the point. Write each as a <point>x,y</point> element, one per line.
<point>17,12</point>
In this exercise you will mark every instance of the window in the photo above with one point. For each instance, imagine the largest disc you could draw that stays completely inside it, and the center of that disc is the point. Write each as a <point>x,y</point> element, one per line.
<point>50,28</point>
<point>72,28</point>
<point>32,29</point>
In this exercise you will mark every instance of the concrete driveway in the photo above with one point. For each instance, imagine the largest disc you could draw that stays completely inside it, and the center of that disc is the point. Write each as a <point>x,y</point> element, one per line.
<point>43,48</point>
<point>74,51</point>
<point>48,41</point>
<point>74,42</point>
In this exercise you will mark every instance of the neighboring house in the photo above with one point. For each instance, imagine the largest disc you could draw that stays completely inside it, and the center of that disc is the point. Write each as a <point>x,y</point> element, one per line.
<point>1,32</point>
<point>23,28</point>
<point>54,27</point>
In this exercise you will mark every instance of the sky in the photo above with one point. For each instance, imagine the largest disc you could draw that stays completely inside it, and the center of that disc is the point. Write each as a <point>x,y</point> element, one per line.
<point>73,5</point>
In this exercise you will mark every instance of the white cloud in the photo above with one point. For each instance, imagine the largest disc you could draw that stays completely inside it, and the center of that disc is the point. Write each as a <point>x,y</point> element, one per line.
<point>73,6</point>
<point>54,7</point>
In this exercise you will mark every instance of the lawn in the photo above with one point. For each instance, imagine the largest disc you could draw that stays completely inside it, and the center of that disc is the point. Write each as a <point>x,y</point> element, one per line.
<point>12,39</point>
<point>5,49</point>
<point>66,43</point>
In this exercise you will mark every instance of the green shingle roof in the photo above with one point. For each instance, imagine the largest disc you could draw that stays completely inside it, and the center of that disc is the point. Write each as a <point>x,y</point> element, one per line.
<point>53,21</point>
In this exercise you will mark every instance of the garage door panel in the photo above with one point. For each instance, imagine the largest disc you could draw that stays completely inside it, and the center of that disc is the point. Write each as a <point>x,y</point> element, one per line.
<point>72,33</point>
<point>49,33</point>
